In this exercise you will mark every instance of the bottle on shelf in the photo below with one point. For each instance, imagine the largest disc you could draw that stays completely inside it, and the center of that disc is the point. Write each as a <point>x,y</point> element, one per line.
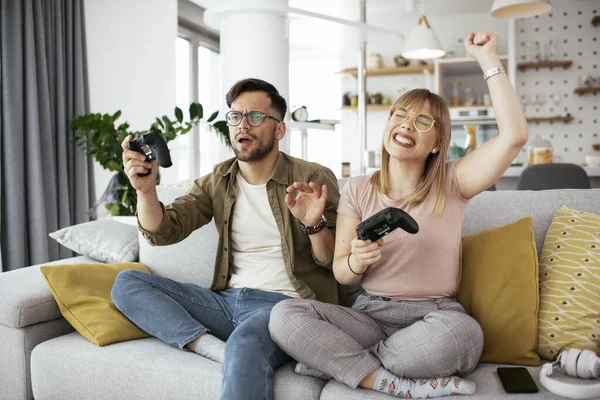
<point>471,137</point>
<point>469,98</point>
<point>455,101</point>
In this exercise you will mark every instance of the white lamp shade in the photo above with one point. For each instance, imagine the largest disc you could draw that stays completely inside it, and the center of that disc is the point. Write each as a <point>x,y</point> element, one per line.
<point>520,8</point>
<point>422,43</point>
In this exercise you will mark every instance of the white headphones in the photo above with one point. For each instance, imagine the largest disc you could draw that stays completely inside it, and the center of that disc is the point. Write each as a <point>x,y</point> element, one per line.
<point>578,364</point>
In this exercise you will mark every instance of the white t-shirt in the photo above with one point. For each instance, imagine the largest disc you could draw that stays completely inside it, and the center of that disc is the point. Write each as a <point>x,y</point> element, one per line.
<point>256,243</point>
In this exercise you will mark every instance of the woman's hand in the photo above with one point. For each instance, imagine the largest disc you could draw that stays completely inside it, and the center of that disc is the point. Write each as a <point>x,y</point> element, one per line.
<point>309,204</point>
<point>481,44</point>
<point>364,253</point>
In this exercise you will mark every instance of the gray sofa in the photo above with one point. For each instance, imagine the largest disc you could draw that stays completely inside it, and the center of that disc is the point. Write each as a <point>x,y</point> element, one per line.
<point>43,357</point>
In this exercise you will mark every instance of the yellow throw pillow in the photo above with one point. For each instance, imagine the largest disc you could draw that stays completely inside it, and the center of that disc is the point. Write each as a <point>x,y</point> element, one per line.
<point>499,289</point>
<point>570,284</point>
<point>82,292</point>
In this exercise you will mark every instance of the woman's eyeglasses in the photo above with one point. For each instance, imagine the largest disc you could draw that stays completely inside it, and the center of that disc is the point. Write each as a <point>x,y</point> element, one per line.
<point>423,122</point>
<point>254,118</point>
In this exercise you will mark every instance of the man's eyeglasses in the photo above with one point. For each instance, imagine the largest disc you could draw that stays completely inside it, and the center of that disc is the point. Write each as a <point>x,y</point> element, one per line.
<point>423,122</point>
<point>254,118</point>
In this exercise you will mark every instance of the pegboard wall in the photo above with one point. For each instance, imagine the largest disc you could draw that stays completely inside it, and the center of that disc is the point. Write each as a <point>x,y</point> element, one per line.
<point>547,92</point>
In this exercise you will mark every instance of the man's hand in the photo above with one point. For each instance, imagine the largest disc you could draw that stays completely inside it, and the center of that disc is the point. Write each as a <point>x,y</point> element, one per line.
<point>309,204</point>
<point>134,163</point>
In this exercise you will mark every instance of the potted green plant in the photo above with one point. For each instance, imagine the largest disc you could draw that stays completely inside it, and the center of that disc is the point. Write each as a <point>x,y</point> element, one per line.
<point>101,137</point>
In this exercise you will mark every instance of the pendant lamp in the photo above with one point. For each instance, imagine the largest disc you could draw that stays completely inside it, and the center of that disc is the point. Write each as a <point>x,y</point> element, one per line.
<point>520,8</point>
<point>422,43</point>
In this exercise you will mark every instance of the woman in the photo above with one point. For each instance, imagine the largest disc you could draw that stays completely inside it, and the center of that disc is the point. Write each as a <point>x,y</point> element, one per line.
<point>407,335</point>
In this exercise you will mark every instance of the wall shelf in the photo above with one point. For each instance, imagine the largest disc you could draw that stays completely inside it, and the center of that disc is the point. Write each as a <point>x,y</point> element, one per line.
<point>567,118</point>
<point>370,107</point>
<point>545,64</point>
<point>583,90</point>
<point>411,69</point>
<point>596,20</point>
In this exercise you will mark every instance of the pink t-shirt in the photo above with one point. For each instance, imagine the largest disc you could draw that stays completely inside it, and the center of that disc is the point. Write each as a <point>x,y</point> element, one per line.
<point>422,266</point>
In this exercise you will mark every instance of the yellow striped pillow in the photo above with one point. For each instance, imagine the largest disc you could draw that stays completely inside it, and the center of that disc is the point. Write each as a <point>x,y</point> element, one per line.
<point>569,315</point>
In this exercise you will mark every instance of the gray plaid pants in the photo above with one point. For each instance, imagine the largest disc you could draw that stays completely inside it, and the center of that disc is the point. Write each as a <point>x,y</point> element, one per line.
<point>432,338</point>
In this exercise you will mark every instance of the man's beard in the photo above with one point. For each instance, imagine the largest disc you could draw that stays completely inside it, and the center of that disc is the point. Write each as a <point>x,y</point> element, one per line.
<point>258,153</point>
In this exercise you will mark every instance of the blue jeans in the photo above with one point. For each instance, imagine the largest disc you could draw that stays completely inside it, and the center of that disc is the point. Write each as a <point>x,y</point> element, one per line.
<point>178,313</point>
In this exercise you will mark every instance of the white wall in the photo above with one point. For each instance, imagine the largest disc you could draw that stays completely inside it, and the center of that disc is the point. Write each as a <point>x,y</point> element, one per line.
<point>131,62</point>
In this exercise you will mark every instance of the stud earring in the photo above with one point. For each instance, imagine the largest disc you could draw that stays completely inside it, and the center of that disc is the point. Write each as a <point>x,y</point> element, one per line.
<point>433,151</point>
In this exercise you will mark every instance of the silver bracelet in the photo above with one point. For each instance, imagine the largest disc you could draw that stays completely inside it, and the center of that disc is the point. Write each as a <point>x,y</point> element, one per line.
<point>494,71</point>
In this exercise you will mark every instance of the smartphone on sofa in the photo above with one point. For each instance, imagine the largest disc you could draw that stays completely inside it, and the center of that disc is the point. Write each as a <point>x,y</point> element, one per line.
<point>516,380</point>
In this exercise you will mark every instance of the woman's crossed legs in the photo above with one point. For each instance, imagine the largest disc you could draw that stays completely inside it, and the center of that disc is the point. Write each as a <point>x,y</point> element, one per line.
<point>396,347</point>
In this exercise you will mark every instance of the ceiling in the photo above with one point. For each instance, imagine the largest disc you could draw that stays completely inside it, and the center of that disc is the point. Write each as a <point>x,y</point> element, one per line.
<point>310,37</point>
<point>386,10</point>
<point>380,8</point>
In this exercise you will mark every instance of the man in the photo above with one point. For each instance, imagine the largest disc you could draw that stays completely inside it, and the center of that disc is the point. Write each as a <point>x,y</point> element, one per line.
<point>275,215</point>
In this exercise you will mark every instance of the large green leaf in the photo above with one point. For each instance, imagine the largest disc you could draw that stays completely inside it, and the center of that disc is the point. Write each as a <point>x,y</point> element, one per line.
<point>113,208</point>
<point>193,111</point>
<point>199,111</point>
<point>179,114</point>
<point>213,116</point>
<point>170,136</point>
<point>223,129</point>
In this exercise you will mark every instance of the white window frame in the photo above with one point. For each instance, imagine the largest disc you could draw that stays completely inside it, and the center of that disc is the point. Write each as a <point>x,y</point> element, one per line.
<point>195,40</point>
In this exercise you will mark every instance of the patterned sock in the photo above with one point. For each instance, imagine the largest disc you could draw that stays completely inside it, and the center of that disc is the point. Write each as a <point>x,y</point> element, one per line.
<point>302,369</point>
<point>420,388</point>
<point>211,347</point>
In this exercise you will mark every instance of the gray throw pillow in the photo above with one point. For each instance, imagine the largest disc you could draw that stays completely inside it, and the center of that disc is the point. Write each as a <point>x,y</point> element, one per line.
<point>103,240</point>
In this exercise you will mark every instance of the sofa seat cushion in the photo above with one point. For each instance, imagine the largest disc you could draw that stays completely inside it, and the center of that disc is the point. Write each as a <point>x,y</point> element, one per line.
<point>25,298</point>
<point>70,367</point>
<point>489,387</point>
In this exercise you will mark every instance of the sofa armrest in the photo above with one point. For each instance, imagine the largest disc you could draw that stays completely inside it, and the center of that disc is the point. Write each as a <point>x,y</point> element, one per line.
<point>25,298</point>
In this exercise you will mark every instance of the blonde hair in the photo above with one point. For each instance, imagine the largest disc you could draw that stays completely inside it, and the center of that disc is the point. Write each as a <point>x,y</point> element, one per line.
<point>434,174</point>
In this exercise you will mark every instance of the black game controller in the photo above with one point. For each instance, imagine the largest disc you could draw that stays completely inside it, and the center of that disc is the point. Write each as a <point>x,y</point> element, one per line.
<point>154,147</point>
<point>385,221</point>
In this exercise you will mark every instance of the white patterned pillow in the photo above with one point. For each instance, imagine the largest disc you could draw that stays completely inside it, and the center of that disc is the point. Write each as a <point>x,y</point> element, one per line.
<point>569,315</point>
<point>103,240</point>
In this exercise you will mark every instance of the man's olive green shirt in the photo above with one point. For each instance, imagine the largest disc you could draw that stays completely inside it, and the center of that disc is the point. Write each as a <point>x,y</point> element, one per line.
<point>214,195</point>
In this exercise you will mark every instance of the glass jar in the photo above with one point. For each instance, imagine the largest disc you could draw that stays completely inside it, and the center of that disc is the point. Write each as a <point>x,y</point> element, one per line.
<point>455,101</point>
<point>345,169</point>
<point>540,151</point>
<point>528,51</point>
<point>551,50</point>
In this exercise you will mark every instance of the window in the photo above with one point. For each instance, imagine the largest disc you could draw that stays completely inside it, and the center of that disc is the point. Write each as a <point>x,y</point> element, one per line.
<point>197,81</point>
<point>183,98</point>
<point>314,84</point>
